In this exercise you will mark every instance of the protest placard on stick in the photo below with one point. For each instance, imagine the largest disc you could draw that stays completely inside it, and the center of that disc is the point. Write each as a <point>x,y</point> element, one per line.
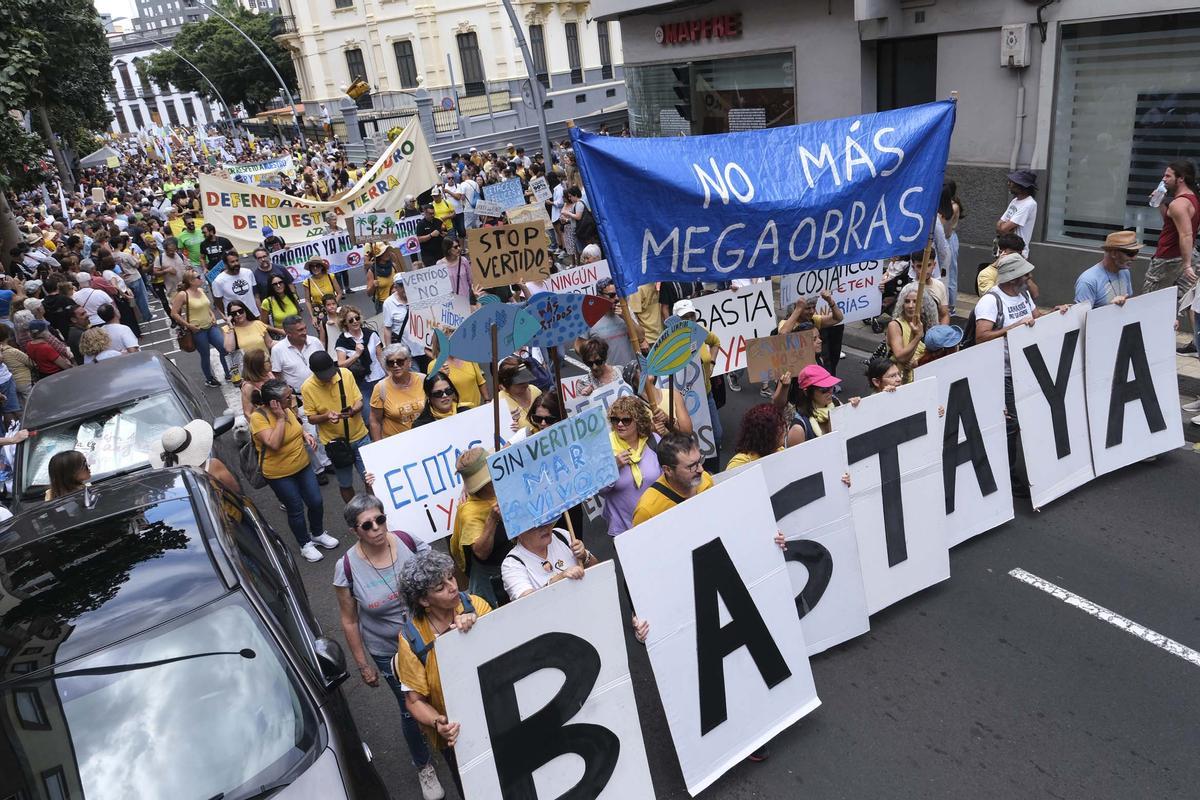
<point>508,254</point>
<point>770,356</point>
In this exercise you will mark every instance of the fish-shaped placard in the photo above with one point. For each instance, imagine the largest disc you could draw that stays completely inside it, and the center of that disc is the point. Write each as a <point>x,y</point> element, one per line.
<point>673,350</point>
<point>564,317</point>
<point>473,340</point>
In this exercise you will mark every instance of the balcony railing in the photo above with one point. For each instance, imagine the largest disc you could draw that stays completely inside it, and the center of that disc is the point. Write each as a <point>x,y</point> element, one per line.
<point>283,26</point>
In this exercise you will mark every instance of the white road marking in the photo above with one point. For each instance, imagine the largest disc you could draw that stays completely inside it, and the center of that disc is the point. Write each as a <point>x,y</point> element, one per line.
<point>1111,617</point>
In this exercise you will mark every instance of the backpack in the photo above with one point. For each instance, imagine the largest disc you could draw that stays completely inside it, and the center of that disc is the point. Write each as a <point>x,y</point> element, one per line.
<point>403,536</point>
<point>585,228</point>
<point>969,332</point>
<point>417,643</point>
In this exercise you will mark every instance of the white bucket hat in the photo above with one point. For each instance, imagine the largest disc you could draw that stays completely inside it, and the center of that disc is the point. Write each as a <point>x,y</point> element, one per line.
<point>188,446</point>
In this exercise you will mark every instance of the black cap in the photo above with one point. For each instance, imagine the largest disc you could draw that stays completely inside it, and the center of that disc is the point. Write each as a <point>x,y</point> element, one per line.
<point>322,365</point>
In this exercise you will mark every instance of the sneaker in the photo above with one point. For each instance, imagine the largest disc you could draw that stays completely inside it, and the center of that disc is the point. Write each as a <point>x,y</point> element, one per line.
<point>1192,406</point>
<point>311,553</point>
<point>1196,420</point>
<point>758,756</point>
<point>326,541</point>
<point>431,788</point>
<point>767,392</point>
<point>1187,349</point>
<point>213,382</point>
<point>734,386</point>
<point>322,479</point>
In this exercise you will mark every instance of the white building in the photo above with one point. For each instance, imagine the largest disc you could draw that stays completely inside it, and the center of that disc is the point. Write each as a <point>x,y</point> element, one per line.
<point>139,102</point>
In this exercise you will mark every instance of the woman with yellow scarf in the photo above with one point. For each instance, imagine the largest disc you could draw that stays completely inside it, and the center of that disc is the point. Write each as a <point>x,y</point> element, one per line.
<point>635,445</point>
<point>441,400</point>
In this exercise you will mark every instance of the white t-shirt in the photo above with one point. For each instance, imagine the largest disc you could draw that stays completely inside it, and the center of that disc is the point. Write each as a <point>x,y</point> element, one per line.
<point>121,336</point>
<point>372,338</point>
<point>236,287</point>
<point>1014,309</point>
<point>394,315</point>
<point>1023,212</point>
<point>523,570</point>
<point>91,300</point>
<point>103,355</point>
<point>454,202</point>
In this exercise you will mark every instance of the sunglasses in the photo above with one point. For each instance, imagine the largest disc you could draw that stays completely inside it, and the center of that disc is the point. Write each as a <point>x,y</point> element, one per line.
<point>609,295</point>
<point>439,393</point>
<point>621,420</point>
<point>373,523</point>
<point>353,319</point>
<point>396,362</point>
<point>237,312</point>
<point>543,419</point>
<point>595,363</point>
<point>277,283</point>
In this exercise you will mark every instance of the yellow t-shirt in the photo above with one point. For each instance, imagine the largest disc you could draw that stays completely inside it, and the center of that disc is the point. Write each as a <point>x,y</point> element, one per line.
<point>741,459</point>
<point>645,308</point>
<point>288,459</point>
<point>249,337</point>
<point>403,405</point>
<point>424,679</point>
<point>383,286</point>
<point>711,343</point>
<point>654,502</point>
<point>523,419</point>
<point>468,524</point>
<point>321,398</point>
<point>467,379</point>
<point>318,288</point>
<point>276,310</point>
<point>986,278</point>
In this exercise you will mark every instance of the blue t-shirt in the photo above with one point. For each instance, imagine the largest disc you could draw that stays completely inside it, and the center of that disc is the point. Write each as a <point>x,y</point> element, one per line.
<point>6,297</point>
<point>1100,286</point>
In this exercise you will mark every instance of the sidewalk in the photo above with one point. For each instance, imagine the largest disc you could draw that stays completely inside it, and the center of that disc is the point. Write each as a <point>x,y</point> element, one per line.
<point>860,337</point>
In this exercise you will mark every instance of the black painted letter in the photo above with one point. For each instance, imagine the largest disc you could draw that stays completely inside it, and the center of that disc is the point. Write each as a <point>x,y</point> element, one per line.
<point>715,578</point>
<point>885,442</point>
<point>521,745</point>
<point>1055,389</point>
<point>960,416</point>
<point>814,556</point>
<point>1131,350</point>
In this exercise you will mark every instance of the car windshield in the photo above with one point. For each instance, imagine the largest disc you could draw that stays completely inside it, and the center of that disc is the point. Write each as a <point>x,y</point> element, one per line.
<point>114,441</point>
<point>224,720</point>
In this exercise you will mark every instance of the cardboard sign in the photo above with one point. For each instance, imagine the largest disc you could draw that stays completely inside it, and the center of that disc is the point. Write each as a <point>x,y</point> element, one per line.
<point>736,316</point>
<point>1132,387</point>
<point>112,162</point>
<point>534,212</point>
<point>725,644</point>
<point>507,194</point>
<point>896,495</point>
<point>508,254</point>
<point>542,687</point>
<point>373,226</point>
<point>486,208</point>
<point>414,471</point>
<point>449,313</point>
<point>1048,385</point>
<point>856,289</point>
<point>812,509</point>
<point>539,478</point>
<point>975,474</point>
<point>98,194</point>
<point>541,189</point>
<point>771,356</point>
<point>689,382</point>
<point>335,247</point>
<point>427,287</point>
<point>579,280</point>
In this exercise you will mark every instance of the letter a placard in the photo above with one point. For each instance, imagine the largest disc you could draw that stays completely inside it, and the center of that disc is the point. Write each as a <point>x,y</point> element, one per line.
<point>725,643</point>
<point>542,678</point>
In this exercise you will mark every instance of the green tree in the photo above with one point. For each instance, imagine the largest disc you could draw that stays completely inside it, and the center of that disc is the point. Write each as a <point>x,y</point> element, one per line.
<point>222,54</point>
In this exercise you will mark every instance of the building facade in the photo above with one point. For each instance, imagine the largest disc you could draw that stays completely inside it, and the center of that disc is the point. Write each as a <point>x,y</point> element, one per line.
<point>161,15</point>
<point>1094,95</point>
<point>462,52</point>
<point>140,102</point>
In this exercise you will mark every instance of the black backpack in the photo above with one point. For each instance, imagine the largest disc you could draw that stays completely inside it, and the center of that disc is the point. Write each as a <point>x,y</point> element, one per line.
<point>585,229</point>
<point>968,339</point>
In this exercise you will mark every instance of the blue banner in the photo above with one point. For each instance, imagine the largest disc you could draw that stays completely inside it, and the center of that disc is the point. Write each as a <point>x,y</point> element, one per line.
<point>766,202</point>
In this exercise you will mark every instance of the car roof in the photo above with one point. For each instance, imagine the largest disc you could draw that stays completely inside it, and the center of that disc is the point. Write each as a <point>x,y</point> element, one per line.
<point>80,392</point>
<point>94,575</point>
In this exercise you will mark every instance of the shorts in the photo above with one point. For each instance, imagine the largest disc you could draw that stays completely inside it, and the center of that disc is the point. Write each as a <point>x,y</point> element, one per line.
<point>1164,272</point>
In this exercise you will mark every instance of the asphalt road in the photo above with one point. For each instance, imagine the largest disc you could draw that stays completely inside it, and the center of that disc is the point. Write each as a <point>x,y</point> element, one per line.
<point>981,687</point>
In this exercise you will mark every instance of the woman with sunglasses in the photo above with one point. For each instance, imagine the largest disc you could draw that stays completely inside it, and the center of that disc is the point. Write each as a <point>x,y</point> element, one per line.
<point>812,399</point>
<point>399,398</point>
<point>467,377</point>
<point>245,335</point>
<point>540,557</point>
<point>318,284</point>
<point>441,400</point>
<point>636,445</point>
<point>279,304</point>
<point>459,267</point>
<point>360,350</point>
<point>517,389</point>
<point>594,352</point>
<point>545,410</point>
<point>373,612</point>
<point>192,310</point>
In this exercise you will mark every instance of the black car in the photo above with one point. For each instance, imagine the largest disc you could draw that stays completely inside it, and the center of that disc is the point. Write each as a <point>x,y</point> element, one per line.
<point>156,643</point>
<point>114,411</point>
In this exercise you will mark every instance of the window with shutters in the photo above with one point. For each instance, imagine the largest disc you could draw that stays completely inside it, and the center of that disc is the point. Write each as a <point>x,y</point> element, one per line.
<point>472,64</point>
<point>357,68</point>
<point>406,63</point>
<point>606,70</point>
<point>573,52</point>
<point>537,47</point>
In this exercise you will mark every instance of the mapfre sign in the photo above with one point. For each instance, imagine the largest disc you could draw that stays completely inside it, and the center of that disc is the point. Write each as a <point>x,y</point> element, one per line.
<point>721,26</point>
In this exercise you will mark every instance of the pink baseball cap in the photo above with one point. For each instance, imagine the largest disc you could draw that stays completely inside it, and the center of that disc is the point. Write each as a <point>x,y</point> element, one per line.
<point>816,375</point>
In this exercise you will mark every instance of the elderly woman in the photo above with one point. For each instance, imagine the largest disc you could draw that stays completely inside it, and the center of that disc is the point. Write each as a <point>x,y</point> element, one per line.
<point>906,331</point>
<point>635,444</point>
<point>542,556</point>
<point>360,350</point>
<point>437,607</point>
<point>366,580</point>
<point>594,352</point>
<point>479,542</point>
<point>399,398</point>
<point>763,432</point>
<point>441,399</point>
<point>517,389</point>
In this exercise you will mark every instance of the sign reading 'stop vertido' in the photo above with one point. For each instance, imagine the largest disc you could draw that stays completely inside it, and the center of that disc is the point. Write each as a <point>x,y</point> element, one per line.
<point>767,202</point>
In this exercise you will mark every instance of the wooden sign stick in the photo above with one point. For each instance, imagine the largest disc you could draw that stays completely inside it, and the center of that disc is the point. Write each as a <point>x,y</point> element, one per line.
<point>556,358</point>
<point>496,385</point>
<point>922,275</point>
<point>671,402</point>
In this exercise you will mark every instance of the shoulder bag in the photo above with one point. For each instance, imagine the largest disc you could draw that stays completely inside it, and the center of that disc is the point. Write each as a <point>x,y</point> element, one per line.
<point>250,461</point>
<point>183,336</point>
<point>341,450</point>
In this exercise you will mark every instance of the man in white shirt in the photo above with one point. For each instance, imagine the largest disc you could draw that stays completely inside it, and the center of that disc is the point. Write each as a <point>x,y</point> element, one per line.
<point>235,282</point>
<point>121,336</point>
<point>1021,214</point>
<point>289,362</point>
<point>470,192</point>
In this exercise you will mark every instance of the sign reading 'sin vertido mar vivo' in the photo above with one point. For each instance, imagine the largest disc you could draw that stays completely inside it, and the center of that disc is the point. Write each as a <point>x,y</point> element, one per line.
<point>767,202</point>
<point>508,254</point>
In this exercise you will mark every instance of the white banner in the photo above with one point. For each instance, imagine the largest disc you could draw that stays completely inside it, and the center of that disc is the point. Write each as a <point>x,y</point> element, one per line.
<point>1048,384</point>
<point>812,508</point>
<point>427,287</point>
<point>336,248</point>
<point>542,692</point>
<point>450,313</point>
<point>576,401</point>
<point>856,288</point>
<point>975,473</point>
<point>1132,387</point>
<point>896,495</point>
<point>725,643</point>
<point>578,280</point>
<point>736,316</point>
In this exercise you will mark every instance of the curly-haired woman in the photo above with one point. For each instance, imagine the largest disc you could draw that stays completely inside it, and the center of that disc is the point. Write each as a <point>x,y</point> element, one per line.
<point>763,432</point>
<point>636,445</point>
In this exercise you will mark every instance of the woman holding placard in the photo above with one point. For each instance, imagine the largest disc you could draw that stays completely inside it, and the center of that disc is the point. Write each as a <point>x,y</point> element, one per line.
<point>479,542</point>
<point>542,556</point>
<point>441,400</point>
<point>517,389</point>
<point>636,447</point>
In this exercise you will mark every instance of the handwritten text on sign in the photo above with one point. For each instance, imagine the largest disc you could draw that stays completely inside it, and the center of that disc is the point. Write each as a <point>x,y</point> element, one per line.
<point>428,287</point>
<point>771,356</point>
<point>855,289</point>
<point>736,316</point>
<point>508,254</point>
<point>539,478</point>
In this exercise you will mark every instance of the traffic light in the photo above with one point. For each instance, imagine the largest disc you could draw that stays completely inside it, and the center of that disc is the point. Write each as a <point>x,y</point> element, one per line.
<point>683,91</point>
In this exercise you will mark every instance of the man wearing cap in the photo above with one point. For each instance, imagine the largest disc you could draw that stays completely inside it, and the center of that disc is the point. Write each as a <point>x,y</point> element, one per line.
<point>333,402</point>
<point>1021,214</point>
<point>940,341</point>
<point>1110,281</point>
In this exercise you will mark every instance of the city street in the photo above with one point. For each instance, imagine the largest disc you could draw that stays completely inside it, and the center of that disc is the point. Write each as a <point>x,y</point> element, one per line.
<point>984,686</point>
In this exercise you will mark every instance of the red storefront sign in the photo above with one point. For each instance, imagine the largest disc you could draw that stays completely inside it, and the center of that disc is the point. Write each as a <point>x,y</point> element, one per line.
<point>722,26</point>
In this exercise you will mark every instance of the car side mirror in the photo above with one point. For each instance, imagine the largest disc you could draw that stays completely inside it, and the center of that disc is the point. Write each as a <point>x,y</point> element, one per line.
<point>223,424</point>
<point>331,660</point>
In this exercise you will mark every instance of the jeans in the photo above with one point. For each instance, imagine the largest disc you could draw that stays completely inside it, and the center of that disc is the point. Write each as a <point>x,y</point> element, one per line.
<point>418,748</point>
<point>345,475</point>
<point>715,413</point>
<point>139,297</point>
<point>1196,330</point>
<point>10,401</point>
<point>952,270</point>
<point>297,492</point>
<point>831,347</point>
<point>214,338</point>
<point>365,388</point>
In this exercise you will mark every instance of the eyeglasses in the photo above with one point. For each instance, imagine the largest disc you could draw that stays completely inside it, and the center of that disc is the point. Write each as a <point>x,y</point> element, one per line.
<point>237,312</point>
<point>353,319</point>
<point>621,420</point>
<point>609,295</point>
<point>543,419</point>
<point>277,283</point>
<point>379,521</point>
<point>695,466</point>
<point>596,363</point>
<point>439,393</point>
<point>396,362</point>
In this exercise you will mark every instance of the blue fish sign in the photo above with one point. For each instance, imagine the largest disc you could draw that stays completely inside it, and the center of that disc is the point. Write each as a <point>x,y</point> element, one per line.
<point>766,202</point>
<point>564,317</point>
<point>673,350</point>
<point>473,340</point>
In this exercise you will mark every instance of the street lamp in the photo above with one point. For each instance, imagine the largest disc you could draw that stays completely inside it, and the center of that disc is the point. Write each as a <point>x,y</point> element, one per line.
<point>535,86</point>
<point>213,86</point>
<point>283,86</point>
